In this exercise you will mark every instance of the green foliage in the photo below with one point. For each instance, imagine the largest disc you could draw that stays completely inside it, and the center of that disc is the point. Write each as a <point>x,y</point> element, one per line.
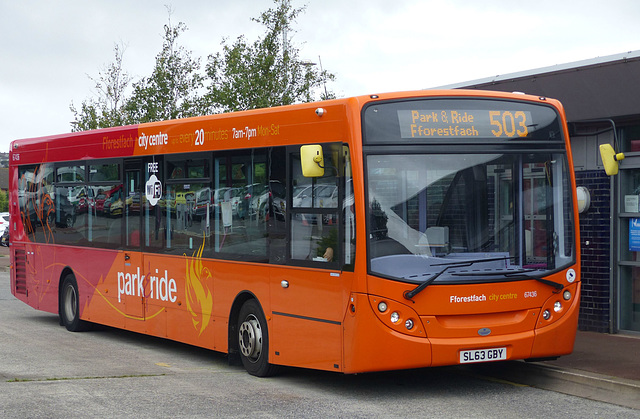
<point>4,202</point>
<point>245,75</point>
<point>171,90</point>
<point>107,109</point>
<point>266,73</point>
<point>378,221</point>
<point>328,241</point>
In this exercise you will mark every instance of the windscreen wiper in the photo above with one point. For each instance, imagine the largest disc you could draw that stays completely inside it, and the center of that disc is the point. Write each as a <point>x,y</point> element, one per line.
<point>553,284</point>
<point>516,274</point>
<point>409,294</point>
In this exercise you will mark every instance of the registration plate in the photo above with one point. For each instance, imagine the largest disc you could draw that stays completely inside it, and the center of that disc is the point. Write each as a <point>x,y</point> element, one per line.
<point>483,355</point>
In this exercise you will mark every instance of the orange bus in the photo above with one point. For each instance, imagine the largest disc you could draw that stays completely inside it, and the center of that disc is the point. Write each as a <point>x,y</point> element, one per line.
<point>370,233</point>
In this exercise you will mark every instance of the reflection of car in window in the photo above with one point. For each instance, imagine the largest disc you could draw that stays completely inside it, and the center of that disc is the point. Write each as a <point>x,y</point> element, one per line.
<point>202,199</point>
<point>110,202</point>
<point>254,200</point>
<point>227,194</point>
<point>4,222</point>
<point>116,207</point>
<point>317,196</point>
<point>278,200</point>
<point>4,240</point>
<point>302,197</point>
<point>133,203</point>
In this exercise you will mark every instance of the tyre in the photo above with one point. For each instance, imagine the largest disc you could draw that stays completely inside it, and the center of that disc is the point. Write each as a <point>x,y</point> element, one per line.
<point>70,305</point>
<point>253,340</point>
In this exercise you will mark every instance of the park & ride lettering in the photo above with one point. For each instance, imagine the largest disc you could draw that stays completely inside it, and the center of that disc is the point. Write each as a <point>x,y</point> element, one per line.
<point>442,124</point>
<point>155,287</point>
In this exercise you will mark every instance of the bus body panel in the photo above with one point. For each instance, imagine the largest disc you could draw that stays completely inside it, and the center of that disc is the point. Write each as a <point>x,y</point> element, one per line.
<point>308,307</point>
<point>447,351</point>
<point>243,130</point>
<point>372,346</point>
<point>558,338</point>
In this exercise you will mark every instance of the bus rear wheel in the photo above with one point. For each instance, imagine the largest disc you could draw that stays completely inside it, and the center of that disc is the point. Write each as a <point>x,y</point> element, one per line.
<point>253,340</point>
<point>70,305</point>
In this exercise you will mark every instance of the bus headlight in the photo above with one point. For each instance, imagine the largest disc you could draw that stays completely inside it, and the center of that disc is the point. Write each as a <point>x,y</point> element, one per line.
<point>557,306</point>
<point>566,295</point>
<point>397,316</point>
<point>546,314</point>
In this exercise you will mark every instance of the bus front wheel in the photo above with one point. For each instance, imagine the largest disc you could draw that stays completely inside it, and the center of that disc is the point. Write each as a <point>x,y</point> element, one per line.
<point>253,340</point>
<point>70,305</point>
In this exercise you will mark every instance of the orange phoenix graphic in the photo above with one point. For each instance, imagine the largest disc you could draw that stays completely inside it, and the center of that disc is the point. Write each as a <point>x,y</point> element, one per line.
<point>198,297</point>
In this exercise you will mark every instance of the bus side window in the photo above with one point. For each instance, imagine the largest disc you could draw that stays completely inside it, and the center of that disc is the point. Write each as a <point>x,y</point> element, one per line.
<point>348,212</point>
<point>185,223</point>
<point>27,198</point>
<point>105,209</point>
<point>315,235</point>
<point>241,205</point>
<point>277,210</point>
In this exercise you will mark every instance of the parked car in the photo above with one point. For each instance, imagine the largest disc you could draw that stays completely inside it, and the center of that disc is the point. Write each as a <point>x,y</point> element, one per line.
<point>4,221</point>
<point>4,239</point>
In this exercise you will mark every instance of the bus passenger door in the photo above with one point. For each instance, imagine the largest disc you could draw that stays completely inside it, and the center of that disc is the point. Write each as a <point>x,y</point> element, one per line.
<point>133,273</point>
<point>131,286</point>
<point>309,297</point>
<point>133,203</point>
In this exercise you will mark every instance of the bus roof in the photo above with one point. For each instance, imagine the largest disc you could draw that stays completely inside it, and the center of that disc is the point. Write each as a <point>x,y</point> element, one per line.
<point>256,128</point>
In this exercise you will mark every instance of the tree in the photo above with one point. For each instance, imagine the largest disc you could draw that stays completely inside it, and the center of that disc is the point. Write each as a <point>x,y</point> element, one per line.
<point>170,92</point>
<point>107,109</point>
<point>266,73</point>
<point>172,89</point>
<point>4,201</point>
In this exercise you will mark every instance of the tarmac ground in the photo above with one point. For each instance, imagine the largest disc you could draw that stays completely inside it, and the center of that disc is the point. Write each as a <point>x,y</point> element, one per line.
<point>604,367</point>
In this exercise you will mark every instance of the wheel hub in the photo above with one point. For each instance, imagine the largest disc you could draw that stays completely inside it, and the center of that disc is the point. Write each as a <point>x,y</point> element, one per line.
<point>250,338</point>
<point>70,303</point>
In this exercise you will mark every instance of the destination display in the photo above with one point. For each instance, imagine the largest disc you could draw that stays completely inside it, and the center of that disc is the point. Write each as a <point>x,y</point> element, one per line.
<point>464,123</point>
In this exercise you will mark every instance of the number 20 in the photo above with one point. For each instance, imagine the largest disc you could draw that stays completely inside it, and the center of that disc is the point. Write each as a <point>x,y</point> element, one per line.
<point>508,124</point>
<point>199,137</point>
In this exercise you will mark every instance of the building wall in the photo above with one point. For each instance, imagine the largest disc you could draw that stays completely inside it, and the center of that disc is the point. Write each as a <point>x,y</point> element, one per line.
<point>595,226</point>
<point>595,229</point>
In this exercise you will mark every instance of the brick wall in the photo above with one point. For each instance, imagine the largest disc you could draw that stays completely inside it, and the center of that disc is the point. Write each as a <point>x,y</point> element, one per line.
<point>595,229</point>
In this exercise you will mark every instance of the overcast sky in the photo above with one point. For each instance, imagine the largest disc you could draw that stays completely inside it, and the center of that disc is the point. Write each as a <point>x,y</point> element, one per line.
<point>48,48</point>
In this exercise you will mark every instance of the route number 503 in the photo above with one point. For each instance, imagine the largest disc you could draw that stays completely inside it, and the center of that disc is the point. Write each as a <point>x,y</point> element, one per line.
<point>509,124</point>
